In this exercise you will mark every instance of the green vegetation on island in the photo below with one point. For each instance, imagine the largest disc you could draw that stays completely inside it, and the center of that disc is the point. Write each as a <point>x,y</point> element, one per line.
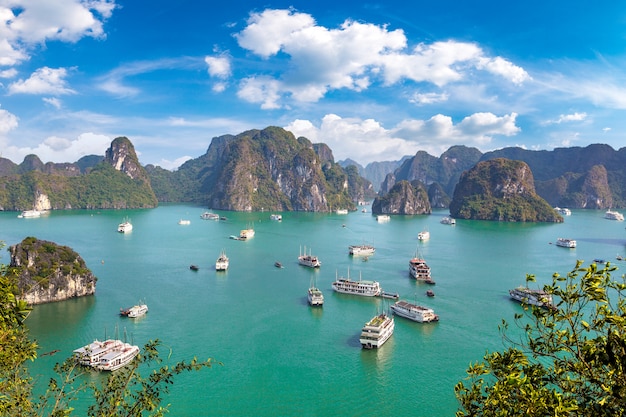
<point>563,361</point>
<point>135,390</point>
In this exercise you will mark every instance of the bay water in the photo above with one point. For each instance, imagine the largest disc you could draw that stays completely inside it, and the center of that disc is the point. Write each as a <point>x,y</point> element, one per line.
<point>274,355</point>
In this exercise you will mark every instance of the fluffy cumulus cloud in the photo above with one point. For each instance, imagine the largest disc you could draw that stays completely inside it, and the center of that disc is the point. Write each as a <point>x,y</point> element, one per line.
<point>59,149</point>
<point>8,122</point>
<point>367,140</point>
<point>43,81</point>
<point>353,56</point>
<point>24,23</point>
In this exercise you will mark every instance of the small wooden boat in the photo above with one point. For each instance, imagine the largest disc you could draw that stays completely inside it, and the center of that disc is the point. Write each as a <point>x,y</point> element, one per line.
<point>278,264</point>
<point>430,293</point>
<point>194,267</point>
<point>392,295</point>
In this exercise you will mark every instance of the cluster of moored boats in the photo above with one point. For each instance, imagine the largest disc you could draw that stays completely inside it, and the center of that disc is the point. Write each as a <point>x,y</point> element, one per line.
<point>380,328</point>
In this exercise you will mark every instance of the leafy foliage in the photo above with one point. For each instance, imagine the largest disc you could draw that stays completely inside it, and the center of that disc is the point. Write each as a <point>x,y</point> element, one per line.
<point>124,393</point>
<point>570,360</point>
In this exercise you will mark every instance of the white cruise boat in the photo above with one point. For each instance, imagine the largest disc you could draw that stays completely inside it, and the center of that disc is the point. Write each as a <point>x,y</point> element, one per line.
<point>277,217</point>
<point>222,262</point>
<point>342,211</point>
<point>531,297</point>
<point>134,311</point>
<point>448,220</point>
<point>377,331</point>
<point>309,260</point>
<point>184,222</point>
<point>315,296</point>
<point>566,243</point>
<point>118,357</point>
<point>29,214</point>
<point>246,233</point>
<point>381,218</point>
<point>423,235</point>
<point>414,312</point>
<point>614,215</point>
<point>419,269</point>
<point>361,250</point>
<point>125,227</point>
<point>563,211</point>
<point>91,354</point>
<point>207,215</point>
<point>348,286</point>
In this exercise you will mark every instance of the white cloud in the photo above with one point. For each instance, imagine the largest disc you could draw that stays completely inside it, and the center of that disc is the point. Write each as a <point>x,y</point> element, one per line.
<point>43,81</point>
<point>504,68</point>
<point>428,98</point>
<point>24,23</point>
<point>218,66</point>
<point>53,101</point>
<point>571,117</point>
<point>58,149</point>
<point>353,56</point>
<point>8,122</point>
<point>367,140</point>
<point>8,73</point>
<point>262,90</point>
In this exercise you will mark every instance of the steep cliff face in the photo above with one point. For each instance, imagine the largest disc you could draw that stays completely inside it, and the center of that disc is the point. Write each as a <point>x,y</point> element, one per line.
<point>583,190</point>
<point>267,169</point>
<point>502,190</point>
<point>121,156</point>
<point>404,198</point>
<point>46,272</point>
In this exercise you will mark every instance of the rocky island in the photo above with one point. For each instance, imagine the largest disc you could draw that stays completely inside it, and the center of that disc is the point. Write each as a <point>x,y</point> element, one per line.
<point>502,190</point>
<point>45,272</point>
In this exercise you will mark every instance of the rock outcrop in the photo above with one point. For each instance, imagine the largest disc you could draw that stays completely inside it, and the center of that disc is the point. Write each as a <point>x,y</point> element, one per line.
<point>404,198</point>
<point>45,272</point>
<point>121,155</point>
<point>502,190</point>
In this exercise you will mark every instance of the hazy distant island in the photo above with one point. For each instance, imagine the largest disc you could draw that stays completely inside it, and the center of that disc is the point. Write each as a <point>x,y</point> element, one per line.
<point>271,169</point>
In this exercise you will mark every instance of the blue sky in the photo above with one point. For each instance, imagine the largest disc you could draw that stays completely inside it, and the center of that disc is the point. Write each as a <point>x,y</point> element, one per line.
<point>373,80</point>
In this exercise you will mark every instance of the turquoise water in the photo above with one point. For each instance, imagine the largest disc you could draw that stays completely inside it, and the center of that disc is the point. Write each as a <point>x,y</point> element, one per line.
<point>278,355</point>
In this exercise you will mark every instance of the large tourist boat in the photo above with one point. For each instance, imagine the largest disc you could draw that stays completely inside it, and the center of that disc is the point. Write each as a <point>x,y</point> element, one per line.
<point>277,217</point>
<point>308,260</point>
<point>207,215</point>
<point>29,214</point>
<point>419,270</point>
<point>222,262</point>
<point>118,357</point>
<point>423,235</point>
<point>377,331</point>
<point>361,250</point>
<point>91,354</point>
<point>529,296</point>
<point>381,218</point>
<point>614,215</point>
<point>346,285</point>
<point>314,295</point>
<point>134,311</point>
<point>125,227</point>
<point>563,211</point>
<point>414,312</point>
<point>448,220</point>
<point>566,243</point>
<point>246,233</point>
<point>341,211</point>
<point>184,222</point>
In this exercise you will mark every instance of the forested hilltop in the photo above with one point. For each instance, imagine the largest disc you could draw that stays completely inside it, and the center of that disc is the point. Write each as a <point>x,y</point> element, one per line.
<point>115,181</point>
<point>267,169</point>
<point>592,177</point>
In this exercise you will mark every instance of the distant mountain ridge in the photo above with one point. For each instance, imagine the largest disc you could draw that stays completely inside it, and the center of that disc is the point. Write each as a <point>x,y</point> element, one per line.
<point>271,169</point>
<point>591,177</point>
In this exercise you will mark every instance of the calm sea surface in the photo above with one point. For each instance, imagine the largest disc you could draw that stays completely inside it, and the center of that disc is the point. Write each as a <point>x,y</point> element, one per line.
<point>278,355</point>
